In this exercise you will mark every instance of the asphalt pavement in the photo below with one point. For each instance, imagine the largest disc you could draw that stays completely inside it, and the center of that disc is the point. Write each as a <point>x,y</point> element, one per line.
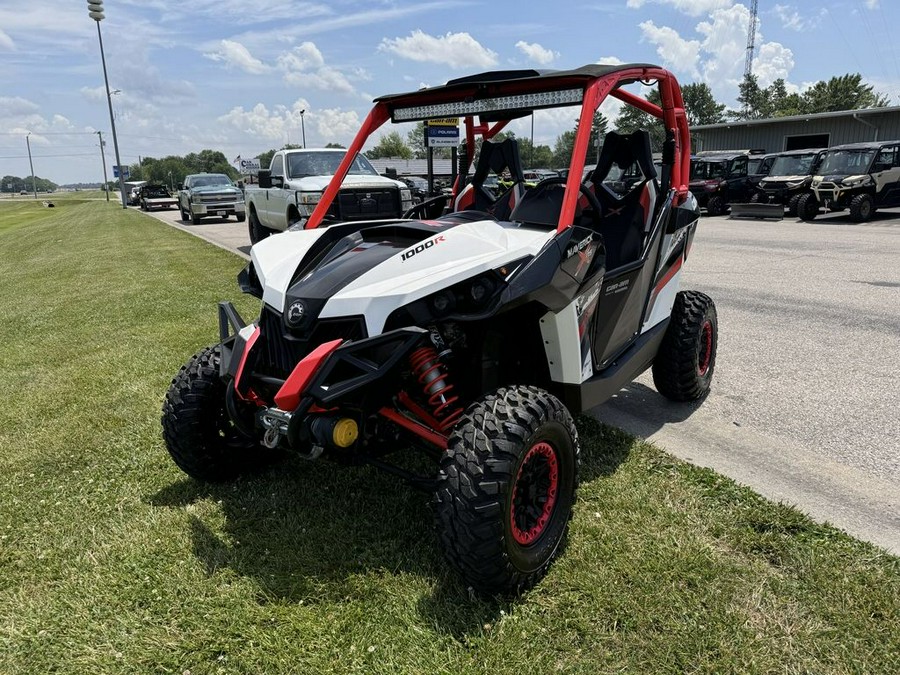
<point>806,391</point>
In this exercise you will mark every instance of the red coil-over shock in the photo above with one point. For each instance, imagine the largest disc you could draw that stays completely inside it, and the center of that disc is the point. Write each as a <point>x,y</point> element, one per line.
<point>432,375</point>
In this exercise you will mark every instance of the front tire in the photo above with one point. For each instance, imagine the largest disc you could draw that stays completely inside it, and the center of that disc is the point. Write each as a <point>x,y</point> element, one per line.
<point>240,217</point>
<point>684,365</point>
<point>807,207</point>
<point>862,207</point>
<point>198,432</point>
<point>506,487</point>
<point>792,205</point>
<point>195,219</point>
<point>258,231</point>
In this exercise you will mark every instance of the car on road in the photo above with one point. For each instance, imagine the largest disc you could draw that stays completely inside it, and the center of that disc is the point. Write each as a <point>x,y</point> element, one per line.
<point>152,197</point>
<point>861,177</point>
<point>210,194</point>
<point>290,188</point>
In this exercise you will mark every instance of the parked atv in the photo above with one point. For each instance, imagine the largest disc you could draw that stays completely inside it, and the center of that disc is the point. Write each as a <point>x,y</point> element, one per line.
<point>721,178</point>
<point>861,177</point>
<point>789,178</point>
<point>474,335</point>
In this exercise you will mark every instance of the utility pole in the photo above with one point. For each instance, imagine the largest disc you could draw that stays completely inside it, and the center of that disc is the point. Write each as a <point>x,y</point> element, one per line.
<point>751,39</point>
<point>31,164</point>
<point>303,128</point>
<point>103,161</point>
<point>95,11</point>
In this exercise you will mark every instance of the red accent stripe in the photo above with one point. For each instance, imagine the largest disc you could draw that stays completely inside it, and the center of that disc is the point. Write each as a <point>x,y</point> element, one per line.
<point>288,397</point>
<point>667,277</point>
<point>419,430</point>
<point>243,362</point>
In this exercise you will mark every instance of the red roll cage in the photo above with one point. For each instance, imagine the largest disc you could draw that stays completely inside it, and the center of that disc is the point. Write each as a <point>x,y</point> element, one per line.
<point>482,94</point>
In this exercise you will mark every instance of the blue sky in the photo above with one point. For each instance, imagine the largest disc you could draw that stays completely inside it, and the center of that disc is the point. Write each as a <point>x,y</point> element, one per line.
<point>233,74</point>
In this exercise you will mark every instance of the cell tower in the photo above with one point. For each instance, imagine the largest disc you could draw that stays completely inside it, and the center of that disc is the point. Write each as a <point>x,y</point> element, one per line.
<point>751,39</point>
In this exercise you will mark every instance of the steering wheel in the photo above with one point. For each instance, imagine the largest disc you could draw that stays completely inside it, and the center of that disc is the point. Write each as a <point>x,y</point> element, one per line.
<point>582,188</point>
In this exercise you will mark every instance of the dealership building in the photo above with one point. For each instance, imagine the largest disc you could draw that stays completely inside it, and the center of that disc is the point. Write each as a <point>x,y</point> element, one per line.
<point>821,130</point>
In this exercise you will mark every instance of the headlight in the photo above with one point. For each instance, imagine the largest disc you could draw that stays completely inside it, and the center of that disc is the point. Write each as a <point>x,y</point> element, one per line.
<point>791,184</point>
<point>855,181</point>
<point>405,195</point>
<point>309,197</point>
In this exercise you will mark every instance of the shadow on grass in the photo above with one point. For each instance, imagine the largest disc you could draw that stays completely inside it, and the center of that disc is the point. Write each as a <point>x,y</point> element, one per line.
<point>320,532</point>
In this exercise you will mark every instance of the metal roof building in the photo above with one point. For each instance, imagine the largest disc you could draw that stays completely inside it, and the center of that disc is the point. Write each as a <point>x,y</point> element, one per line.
<point>821,130</point>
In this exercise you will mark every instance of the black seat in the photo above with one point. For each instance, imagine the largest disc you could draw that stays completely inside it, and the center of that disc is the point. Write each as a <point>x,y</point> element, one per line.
<point>627,217</point>
<point>495,157</point>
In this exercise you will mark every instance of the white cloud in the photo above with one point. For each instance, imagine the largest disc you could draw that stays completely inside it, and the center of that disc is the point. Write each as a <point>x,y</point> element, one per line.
<point>691,7</point>
<point>609,61</point>
<point>773,61</point>
<point>536,52</point>
<point>6,41</point>
<point>305,66</point>
<point>676,52</point>
<point>16,106</point>
<point>283,124</point>
<point>458,50</point>
<point>793,20</point>
<point>872,4</point>
<point>236,55</point>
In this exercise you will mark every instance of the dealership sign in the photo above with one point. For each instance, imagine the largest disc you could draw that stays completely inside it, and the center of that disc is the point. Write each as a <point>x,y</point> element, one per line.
<point>249,167</point>
<point>442,133</point>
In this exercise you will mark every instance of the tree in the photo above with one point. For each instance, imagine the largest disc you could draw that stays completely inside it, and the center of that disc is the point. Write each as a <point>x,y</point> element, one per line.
<point>336,146</point>
<point>783,103</point>
<point>389,146</point>
<point>535,155</point>
<point>845,92</point>
<point>754,100</point>
<point>700,106</point>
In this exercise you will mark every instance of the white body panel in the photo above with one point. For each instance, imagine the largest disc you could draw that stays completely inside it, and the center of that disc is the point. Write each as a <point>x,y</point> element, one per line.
<point>462,252</point>
<point>562,344</point>
<point>662,307</point>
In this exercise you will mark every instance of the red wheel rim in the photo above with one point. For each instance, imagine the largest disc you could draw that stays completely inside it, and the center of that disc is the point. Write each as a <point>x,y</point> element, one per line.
<point>706,340</point>
<point>534,493</point>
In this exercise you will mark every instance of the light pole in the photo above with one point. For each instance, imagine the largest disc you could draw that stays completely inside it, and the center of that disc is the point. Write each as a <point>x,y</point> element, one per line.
<point>171,186</point>
<point>103,161</point>
<point>95,11</point>
<point>303,128</point>
<point>31,164</point>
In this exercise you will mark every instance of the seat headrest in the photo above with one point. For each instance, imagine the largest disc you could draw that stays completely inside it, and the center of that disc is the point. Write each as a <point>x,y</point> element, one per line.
<point>496,157</point>
<point>623,150</point>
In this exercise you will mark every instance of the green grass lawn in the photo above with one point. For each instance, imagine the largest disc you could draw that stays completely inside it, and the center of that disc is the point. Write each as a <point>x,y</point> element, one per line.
<point>112,561</point>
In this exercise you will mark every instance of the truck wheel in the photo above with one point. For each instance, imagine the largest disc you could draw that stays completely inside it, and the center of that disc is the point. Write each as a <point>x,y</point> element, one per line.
<point>506,487</point>
<point>198,432</point>
<point>258,231</point>
<point>715,206</point>
<point>185,216</point>
<point>861,208</point>
<point>241,217</point>
<point>683,367</point>
<point>807,207</point>
<point>195,219</point>
<point>793,202</point>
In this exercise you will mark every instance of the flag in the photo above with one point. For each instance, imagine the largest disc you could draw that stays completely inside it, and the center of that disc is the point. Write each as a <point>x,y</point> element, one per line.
<point>236,160</point>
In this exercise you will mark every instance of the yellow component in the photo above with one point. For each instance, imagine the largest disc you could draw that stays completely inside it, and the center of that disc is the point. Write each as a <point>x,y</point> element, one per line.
<point>345,432</point>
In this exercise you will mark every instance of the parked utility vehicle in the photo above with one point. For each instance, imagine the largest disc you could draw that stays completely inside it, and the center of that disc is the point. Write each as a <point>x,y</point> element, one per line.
<point>861,177</point>
<point>789,178</point>
<point>290,189</point>
<point>721,178</point>
<point>474,335</point>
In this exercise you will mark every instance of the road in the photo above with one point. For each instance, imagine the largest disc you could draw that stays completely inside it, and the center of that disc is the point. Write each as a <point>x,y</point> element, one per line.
<point>806,393</point>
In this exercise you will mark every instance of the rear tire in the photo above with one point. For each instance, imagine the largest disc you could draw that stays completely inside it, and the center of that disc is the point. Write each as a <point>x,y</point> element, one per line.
<point>807,207</point>
<point>715,206</point>
<point>862,207</point>
<point>198,432</point>
<point>506,487</point>
<point>683,367</point>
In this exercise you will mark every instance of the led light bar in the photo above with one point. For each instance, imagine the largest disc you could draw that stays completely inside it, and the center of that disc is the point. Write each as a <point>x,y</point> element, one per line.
<point>543,99</point>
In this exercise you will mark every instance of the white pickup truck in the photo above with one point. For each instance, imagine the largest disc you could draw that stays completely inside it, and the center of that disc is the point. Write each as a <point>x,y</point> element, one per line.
<point>292,186</point>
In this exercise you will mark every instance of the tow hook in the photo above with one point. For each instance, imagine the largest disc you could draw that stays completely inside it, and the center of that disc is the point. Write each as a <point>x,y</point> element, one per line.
<point>275,421</point>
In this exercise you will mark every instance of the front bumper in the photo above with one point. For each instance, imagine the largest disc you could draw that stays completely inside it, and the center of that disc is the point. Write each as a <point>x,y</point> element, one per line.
<point>834,194</point>
<point>218,208</point>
